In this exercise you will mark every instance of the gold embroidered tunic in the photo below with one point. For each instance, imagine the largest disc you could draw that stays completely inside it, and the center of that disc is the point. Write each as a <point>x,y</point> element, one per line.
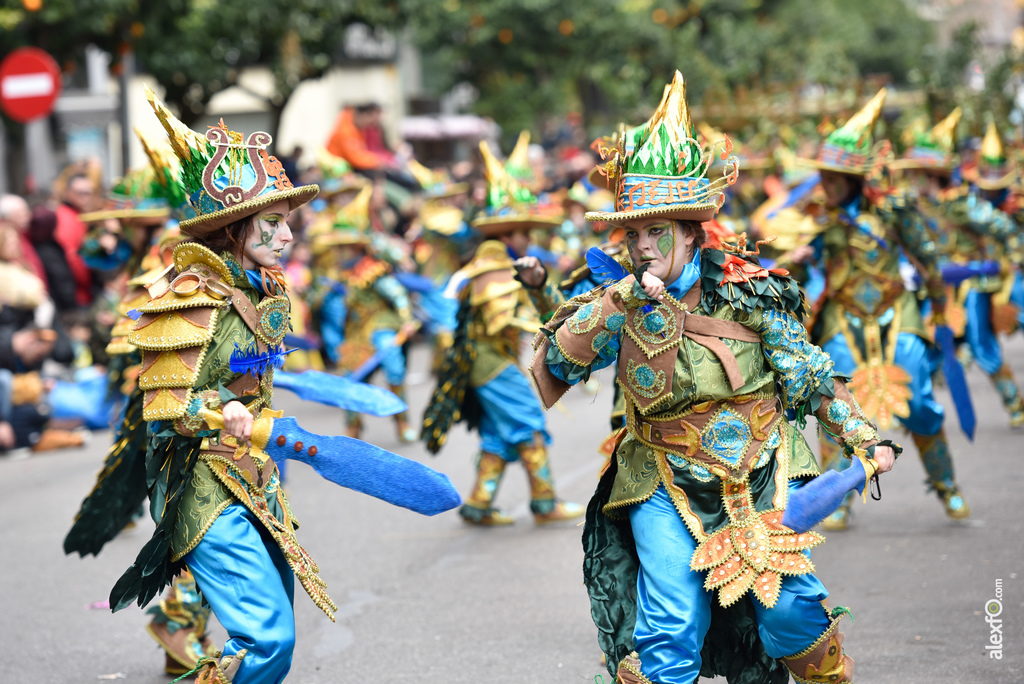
<point>193,337</point>
<point>706,383</point>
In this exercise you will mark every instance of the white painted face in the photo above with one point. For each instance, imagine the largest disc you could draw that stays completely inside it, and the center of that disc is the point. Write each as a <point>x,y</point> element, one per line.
<point>267,237</point>
<point>665,245</point>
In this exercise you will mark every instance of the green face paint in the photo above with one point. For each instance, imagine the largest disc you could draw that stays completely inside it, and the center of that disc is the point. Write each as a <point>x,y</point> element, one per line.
<point>666,243</point>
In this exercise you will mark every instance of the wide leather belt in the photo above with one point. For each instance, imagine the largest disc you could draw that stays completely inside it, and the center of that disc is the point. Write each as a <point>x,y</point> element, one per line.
<point>726,437</point>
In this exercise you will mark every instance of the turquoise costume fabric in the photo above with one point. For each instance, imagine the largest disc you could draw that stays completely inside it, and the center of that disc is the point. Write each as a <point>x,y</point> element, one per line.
<point>393,360</point>
<point>248,584</point>
<point>919,360</point>
<point>511,414</point>
<point>1017,297</point>
<point>979,333</point>
<point>673,611</point>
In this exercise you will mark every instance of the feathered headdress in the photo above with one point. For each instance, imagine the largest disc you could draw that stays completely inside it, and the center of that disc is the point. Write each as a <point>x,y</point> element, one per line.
<point>225,175</point>
<point>660,169</point>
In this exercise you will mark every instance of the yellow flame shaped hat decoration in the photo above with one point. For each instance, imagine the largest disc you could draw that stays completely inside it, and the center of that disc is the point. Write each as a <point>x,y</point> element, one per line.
<point>226,176</point>
<point>933,150</point>
<point>851,148</point>
<point>660,169</point>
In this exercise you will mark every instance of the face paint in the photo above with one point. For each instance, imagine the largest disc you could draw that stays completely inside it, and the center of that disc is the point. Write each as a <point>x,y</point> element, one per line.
<point>266,227</point>
<point>666,242</point>
<point>267,238</point>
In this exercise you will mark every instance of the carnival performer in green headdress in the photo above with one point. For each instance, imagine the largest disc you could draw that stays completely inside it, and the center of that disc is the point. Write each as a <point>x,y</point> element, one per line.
<point>363,311</point>
<point>711,354</point>
<point>480,380</point>
<point>180,618</point>
<point>209,345</point>
<point>972,235</point>
<point>868,322</point>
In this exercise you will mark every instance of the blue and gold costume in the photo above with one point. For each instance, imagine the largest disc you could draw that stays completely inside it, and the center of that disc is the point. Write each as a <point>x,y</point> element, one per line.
<point>980,234</point>
<point>691,504</point>
<point>868,322</point>
<point>362,306</point>
<point>481,380</point>
<point>214,336</point>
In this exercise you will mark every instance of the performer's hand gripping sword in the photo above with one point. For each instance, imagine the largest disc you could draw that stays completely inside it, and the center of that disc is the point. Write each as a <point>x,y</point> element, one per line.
<point>349,462</point>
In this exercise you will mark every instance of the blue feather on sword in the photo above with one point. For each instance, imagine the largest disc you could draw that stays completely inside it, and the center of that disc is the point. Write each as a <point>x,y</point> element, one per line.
<point>251,361</point>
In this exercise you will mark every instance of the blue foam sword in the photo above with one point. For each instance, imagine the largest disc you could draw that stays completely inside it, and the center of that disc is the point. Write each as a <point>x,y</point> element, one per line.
<point>819,498</point>
<point>353,464</point>
<point>345,393</point>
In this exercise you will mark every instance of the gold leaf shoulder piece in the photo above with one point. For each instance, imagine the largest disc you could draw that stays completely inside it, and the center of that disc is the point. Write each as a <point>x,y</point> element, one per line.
<point>174,329</point>
<point>189,254</point>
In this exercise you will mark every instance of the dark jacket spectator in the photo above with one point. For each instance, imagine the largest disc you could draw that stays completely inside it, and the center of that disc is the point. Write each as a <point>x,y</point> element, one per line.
<point>58,273</point>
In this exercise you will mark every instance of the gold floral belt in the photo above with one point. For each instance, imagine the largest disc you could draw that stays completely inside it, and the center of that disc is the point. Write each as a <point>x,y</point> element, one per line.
<point>726,437</point>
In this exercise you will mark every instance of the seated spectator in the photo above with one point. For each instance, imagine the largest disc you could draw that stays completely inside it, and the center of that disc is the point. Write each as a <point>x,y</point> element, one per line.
<point>14,213</point>
<point>61,282</point>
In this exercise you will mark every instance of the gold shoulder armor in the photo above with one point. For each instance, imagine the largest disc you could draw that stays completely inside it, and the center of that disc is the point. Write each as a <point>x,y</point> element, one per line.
<point>176,328</point>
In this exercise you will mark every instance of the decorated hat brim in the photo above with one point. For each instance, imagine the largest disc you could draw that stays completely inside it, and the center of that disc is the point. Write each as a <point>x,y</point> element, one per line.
<point>913,164</point>
<point>705,211</point>
<point>827,166</point>
<point>449,191</point>
<point>492,226</point>
<point>1001,183</point>
<point>208,223</point>
<point>104,214</point>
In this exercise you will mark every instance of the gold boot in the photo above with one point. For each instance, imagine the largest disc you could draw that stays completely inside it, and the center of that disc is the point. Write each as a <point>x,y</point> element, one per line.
<point>353,425</point>
<point>406,434</point>
<point>1010,393</point>
<point>545,507</point>
<point>477,509</point>
<point>222,672</point>
<point>179,625</point>
<point>938,463</point>
<point>629,671</point>
<point>822,661</point>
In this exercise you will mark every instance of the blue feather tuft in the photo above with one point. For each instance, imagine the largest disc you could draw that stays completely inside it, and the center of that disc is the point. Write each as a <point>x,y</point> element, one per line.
<point>250,361</point>
<point>604,267</point>
<point>135,314</point>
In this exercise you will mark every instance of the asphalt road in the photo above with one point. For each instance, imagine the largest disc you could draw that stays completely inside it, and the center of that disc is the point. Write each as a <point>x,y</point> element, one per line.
<point>432,599</point>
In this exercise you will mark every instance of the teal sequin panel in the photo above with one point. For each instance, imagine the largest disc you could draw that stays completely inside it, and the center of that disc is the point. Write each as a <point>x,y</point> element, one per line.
<point>614,322</point>
<point>726,437</point>
<point>838,411</point>
<point>585,319</point>
<point>801,366</point>
<point>644,380</point>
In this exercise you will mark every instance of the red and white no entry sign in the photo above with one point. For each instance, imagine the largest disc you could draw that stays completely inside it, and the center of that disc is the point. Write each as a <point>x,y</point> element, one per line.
<point>29,84</point>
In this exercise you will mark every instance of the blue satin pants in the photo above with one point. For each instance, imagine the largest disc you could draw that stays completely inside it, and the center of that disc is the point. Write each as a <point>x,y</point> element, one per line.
<point>673,610</point>
<point>919,360</point>
<point>393,362</point>
<point>1017,296</point>
<point>511,414</point>
<point>979,333</point>
<point>250,587</point>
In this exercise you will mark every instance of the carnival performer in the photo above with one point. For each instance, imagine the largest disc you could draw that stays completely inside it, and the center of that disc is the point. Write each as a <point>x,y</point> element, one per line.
<point>711,354</point>
<point>180,618</point>
<point>990,238</point>
<point>972,236</point>
<point>440,247</point>
<point>866,319</point>
<point>365,314</point>
<point>209,346</point>
<point>481,380</point>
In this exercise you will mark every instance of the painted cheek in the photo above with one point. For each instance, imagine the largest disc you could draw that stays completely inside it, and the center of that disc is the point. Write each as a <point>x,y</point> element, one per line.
<point>665,244</point>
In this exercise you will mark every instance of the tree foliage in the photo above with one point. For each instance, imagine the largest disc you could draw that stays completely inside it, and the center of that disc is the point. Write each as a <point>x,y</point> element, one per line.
<point>610,58</point>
